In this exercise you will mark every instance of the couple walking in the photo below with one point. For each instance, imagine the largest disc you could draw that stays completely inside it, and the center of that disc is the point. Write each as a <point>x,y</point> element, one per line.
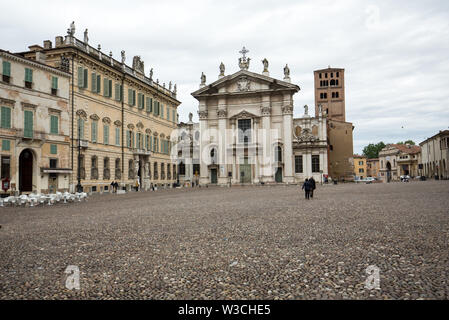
<point>308,187</point>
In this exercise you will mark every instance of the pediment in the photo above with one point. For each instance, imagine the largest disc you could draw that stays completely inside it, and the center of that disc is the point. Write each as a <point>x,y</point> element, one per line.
<point>244,115</point>
<point>243,82</point>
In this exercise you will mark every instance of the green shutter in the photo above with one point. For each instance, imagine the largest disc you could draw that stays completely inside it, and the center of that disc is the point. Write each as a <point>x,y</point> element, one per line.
<point>162,110</point>
<point>28,75</point>
<point>117,92</point>
<point>117,136</point>
<point>6,68</point>
<point>143,101</point>
<point>134,97</point>
<point>80,77</point>
<point>53,149</point>
<point>132,140</point>
<point>130,97</point>
<point>54,129</point>
<point>98,83</point>
<point>110,89</point>
<point>6,118</point>
<point>128,139</point>
<point>54,82</point>
<point>94,131</point>
<point>173,116</point>
<point>106,134</point>
<point>28,124</point>
<point>6,145</point>
<point>86,78</point>
<point>168,114</point>
<point>121,93</point>
<point>94,82</point>
<point>105,87</point>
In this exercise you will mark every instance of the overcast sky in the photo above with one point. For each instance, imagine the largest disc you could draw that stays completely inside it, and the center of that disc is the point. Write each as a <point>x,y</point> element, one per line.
<point>395,53</point>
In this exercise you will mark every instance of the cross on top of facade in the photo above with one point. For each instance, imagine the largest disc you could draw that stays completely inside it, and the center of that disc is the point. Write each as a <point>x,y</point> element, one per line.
<point>244,52</point>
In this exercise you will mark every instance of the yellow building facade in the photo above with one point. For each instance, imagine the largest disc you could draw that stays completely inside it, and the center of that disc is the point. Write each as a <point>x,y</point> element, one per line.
<point>120,119</point>
<point>35,126</point>
<point>360,167</point>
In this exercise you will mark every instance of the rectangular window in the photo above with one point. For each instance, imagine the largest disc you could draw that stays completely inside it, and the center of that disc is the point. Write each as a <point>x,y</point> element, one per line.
<point>162,110</point>
<point>6,145</point>
<point>53,149</point>
<point>315,163</point>
<point>82,77</point>
<point>149,104</point>
<point>106,134</point>
<point>94,82</point>
<point>128,138</point>
<point>54,85</point>
<point>244,128</point>
<point>6,172</point>
<point>298,164</point>
<point>54,128</point>
<point>98,83</point>
<point>118,92</point>
<point>146,142</point>
<point>94,131</point>
<point>105,87</point>
<point>360,163</point>
<point>141,100</point>
<point>28,75</point>
<point>110,89</point>
<point>6,68</point>
<point>361,170</point>
<point>6,118</point>
<point>132,140</point>
<point>117,136</point>
<point>28,124</point>
<point>53,163</point>
<point>168,114</point>
<point>174,116</point>
<point>81,128</point>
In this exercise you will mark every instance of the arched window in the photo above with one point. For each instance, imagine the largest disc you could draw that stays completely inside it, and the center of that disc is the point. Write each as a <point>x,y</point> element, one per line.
<point>118,170</point>
<point>278,154</point>
<point>94,168</point>
<point>182,168</point>
<point>130,169</point>
<point>213,156</point>
<point>106,171</point>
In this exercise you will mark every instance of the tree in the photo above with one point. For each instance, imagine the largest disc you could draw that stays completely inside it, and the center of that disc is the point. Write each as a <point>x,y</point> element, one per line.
<point>372,150</point>
<point>410,142</point>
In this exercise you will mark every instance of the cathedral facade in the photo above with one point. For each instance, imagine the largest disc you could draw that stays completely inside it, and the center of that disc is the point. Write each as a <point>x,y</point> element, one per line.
<point>248,134</point>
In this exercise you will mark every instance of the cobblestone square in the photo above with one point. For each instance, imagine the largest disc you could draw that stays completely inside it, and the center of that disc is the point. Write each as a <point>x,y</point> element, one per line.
<point>264,242</point>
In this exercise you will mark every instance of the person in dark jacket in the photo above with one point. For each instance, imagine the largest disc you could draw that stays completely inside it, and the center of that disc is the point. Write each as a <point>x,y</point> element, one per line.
<point>306,188</point>
<point>312,186</point>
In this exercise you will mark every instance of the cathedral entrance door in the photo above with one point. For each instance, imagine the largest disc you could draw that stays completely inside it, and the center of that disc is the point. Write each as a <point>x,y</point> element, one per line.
<point>278,176</point>
<point>245,172</point>
<point>213,176</point>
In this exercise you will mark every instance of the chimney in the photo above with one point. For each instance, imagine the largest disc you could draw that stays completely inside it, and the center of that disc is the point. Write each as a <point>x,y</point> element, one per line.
<point>41,57</point>
<point>58,41</point>
<point>47,44</point>
<point>35,47</point>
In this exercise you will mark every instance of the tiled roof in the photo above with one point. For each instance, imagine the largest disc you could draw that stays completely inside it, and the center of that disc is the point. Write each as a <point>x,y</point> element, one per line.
<point>407,148</point>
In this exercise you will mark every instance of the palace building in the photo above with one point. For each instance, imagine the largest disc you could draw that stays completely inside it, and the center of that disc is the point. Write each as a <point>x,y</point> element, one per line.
<point>398,160</point>
<point>35,125</point>
<point>121,118</point>
<point>248,134</point>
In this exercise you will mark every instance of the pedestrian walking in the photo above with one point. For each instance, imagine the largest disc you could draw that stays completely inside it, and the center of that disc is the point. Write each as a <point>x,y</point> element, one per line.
<point>113,186</point>
<point>306,188</point>
<point>312,186</point>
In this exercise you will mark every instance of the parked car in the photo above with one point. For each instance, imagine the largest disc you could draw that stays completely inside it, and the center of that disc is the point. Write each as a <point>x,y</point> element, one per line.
<point>405,178</point>
<point>370,180</point>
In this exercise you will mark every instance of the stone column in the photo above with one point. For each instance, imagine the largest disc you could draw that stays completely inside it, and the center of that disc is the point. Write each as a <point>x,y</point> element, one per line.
<point>287,111</point>
<point>204,176</point>
<point>256,151</point>
<point>222,141</point>
<point>265,156</point>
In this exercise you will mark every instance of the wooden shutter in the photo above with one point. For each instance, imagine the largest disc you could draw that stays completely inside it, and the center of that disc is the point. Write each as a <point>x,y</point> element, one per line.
<point>117,136</point>
<point>28,75</point>
<point>110,89</point>
<point>94,82</point>
<point>106,134</point>
<point>28,124</point>
<point>86,78</point>
<point>128,139</point>
<point>54,129</point>
<point>54,82</point>
<point>6,118</point>
<point>80,77</point>
<point>6,68</point>
<point>98,83</point>
<point>134,97</point>
<point>6,145</point>
<point>94,131</point>
<point>105,87</point>
<point>53,149</point>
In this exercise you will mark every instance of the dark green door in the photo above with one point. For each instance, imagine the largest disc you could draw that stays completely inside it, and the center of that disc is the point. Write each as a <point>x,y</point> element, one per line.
<point>278,176</point>
<point>213,176</point>
<point>245,172</point>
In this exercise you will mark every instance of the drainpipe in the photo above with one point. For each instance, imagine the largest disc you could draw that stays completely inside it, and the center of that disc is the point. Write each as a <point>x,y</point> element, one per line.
<point>123,126</point>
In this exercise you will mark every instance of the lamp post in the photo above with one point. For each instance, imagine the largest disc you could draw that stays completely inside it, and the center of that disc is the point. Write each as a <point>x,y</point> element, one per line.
<point>79,187</point>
